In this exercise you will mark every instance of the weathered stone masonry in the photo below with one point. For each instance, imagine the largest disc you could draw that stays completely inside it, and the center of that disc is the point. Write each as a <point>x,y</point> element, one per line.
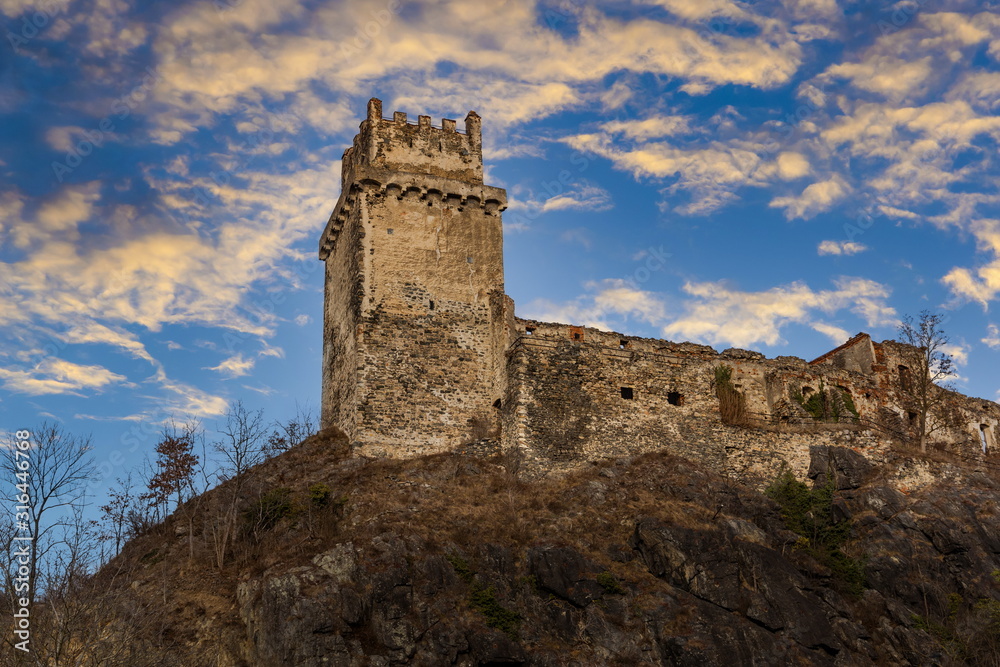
<point>413,251</point>
<point>422,351</point>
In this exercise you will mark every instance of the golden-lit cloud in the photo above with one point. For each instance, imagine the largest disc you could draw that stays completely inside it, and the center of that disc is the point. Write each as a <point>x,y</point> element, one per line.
<point>816,198</point>
<point>235,366</point>
<point>719,314</point>
<point>58,376</point>
<point>840,248</point>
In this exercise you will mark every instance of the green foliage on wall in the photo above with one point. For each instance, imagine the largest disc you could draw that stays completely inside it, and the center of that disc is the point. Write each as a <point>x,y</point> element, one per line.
<point>828,404</point>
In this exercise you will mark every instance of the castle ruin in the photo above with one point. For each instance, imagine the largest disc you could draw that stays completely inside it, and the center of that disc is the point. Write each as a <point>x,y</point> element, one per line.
<point>422,351</point>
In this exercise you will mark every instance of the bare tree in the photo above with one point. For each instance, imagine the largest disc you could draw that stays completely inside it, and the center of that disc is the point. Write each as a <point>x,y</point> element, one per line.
<point>118,512</point>
<point>929,368</point>
<point>60,467</point>
<point>286,435</point>
<point>243,440</point>
<point>242,447</point>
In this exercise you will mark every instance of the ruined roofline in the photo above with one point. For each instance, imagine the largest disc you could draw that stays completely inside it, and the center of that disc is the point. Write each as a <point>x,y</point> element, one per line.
<point>549,331</point>
<point>856,338</point>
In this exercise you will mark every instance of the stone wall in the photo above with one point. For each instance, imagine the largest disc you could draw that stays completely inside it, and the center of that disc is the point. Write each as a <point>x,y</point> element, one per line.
<point>577,394</point>
<point>414,251</point>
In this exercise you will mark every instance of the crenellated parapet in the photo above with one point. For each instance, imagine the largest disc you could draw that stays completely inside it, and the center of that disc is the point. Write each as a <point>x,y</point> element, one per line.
<point>399,145</point>
<point>435,192</point>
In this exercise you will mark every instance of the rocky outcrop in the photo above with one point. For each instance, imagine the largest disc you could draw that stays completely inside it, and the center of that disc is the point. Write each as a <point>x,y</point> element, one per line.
<point>451,560</point>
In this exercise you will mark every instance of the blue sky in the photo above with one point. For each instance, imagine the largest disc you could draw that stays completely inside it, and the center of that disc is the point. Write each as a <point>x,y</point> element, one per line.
<point>769,175</point>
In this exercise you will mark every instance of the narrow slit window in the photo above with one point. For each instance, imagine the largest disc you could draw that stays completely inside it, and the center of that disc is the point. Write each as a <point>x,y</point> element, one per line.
<point>984,436</point>
<point>432,305</point>
<point>576,336</point>
<point>627,393</point>
<point>675,398</point>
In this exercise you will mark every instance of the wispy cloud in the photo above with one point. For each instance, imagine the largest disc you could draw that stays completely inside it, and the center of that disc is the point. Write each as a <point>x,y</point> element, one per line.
<point>718,314</point>
<point>58,376</point>
<point>840,248</point>
<point>235,366</point>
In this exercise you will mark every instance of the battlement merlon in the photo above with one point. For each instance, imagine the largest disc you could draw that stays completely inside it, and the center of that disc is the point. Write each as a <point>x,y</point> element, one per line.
<point>396,144</point>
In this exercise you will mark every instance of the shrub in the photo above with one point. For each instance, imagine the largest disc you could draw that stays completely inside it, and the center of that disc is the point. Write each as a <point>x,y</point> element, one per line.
<point>269,509</point>
<point>809,512</point>
<point>610,584</point>
<point>319,495</point>
<point>484,599</point>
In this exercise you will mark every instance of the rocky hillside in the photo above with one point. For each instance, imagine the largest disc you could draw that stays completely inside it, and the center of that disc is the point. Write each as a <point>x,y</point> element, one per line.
<point>459,560</point>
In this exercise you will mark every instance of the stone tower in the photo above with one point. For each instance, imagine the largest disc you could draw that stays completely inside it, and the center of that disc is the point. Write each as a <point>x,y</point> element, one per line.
<point>414,313</point>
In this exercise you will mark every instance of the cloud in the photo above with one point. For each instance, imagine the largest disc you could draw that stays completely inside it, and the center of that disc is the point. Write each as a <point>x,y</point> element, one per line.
<point>840,248</point>
<point>816,198</point>
<point>992,338</point>
<point>718,314</point>
<point>270,351</point>
<point>836,334</point>
<point>509,62</point>
<point>187,400</point>
<point>58,376</point>
<point>95,332</point>
<point>577,235</point>
<point>607,299</point>
<point>959,352</point>
<point>56,217</point>
<point>581,195</point>
<point>586,197</point>
<point>649,128</point>
<point>792,165</point>
<point>235,366</point>
<point>302,320</point>
<point>981,284</point>
<point>710,174</point>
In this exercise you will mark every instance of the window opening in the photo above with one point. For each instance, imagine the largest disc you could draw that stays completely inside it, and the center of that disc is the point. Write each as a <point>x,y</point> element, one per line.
<point>904,378</point>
